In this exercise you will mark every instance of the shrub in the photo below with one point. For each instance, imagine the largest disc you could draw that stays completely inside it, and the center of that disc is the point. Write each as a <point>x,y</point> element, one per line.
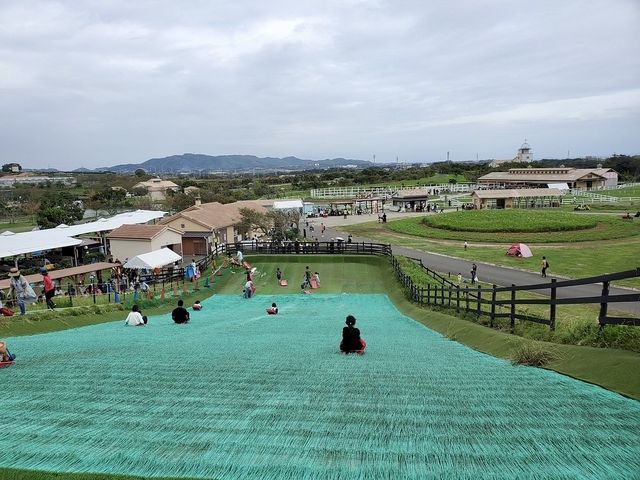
<point>533,354</point>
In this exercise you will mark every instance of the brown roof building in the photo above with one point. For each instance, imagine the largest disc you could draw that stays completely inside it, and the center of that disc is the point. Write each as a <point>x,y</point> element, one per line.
<point>538,177</point>
<point>129,241</point>
<point>204,224</point>
<point>157,188</point>
<point>517,198</point>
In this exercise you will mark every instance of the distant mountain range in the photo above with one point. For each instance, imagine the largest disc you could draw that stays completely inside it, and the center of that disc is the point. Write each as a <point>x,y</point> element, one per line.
<point>192,162</point>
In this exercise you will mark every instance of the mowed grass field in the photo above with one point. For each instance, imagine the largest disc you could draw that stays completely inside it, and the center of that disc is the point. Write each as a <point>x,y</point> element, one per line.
<point>612,246</point>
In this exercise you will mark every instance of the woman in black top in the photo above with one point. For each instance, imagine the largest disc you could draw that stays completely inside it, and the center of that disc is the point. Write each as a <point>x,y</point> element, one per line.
<point>351,341</point>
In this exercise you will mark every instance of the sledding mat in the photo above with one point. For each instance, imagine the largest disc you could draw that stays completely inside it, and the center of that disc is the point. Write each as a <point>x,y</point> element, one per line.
<point>241,394</point>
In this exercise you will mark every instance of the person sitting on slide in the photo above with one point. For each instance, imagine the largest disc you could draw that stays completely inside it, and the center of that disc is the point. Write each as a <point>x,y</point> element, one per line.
<point>135,317</point>
<point>5,355</point>
<point>197,305</point>
<point>273,309</point>
<point>351,341</point>
<point>180,314</point>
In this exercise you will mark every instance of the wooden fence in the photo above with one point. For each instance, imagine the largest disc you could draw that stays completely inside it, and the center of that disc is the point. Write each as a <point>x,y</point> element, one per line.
<point>469,299</point>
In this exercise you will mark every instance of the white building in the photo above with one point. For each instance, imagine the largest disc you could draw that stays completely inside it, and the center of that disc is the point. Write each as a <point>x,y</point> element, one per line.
<point>157,188</point>
<point>524,155</point>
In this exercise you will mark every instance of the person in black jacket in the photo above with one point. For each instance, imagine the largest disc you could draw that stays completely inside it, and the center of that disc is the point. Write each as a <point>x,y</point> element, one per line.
<point>351,341</point>
<point>180,314</point>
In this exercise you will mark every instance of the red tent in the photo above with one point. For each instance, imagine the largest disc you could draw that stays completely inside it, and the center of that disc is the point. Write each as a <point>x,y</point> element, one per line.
<point>519,250</point>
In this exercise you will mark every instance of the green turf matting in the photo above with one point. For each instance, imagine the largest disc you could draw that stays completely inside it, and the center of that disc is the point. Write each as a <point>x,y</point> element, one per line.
<point>240,394</point>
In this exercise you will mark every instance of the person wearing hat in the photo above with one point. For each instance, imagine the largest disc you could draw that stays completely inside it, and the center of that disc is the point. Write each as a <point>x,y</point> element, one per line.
<point>49,288</point>
<point>20,288</point>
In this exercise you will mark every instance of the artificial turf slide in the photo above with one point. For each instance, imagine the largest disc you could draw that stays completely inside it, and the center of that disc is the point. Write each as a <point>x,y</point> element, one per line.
<point>338,274</point>
<point>240,394</point>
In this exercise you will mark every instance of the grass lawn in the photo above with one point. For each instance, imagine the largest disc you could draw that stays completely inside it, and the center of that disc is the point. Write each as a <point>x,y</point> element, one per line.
<point>575,260</point>
<point>17,226</point>
<point>623,192</point>
<point>530,226</point>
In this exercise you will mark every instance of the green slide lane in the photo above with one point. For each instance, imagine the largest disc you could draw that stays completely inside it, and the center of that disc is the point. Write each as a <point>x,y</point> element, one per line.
<point>240,394</point>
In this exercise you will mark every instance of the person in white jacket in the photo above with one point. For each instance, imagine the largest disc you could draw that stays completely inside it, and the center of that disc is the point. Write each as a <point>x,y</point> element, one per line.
<point>135,317</point>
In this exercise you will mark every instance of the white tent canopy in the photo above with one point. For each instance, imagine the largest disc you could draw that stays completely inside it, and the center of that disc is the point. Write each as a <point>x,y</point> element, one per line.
<point>287,204</point>
<point>62,235</point>
<point>155,259</point>
<point>36,241</point>
<point>111,223</point>
<point>559,186</point>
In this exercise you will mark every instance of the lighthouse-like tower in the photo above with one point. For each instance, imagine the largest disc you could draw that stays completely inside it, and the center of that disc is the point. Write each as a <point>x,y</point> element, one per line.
<point>524,153</point>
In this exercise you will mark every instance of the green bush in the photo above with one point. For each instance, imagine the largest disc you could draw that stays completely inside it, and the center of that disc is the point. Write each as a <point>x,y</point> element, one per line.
<point>533,354</point>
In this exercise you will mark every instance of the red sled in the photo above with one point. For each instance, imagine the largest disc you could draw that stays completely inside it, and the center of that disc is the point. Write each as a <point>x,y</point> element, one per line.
<point>6,364</point>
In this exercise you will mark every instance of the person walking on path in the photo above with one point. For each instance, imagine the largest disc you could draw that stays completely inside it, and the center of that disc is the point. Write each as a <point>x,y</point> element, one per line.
<point>465,245</point>
<point>22,291</point>
<point>474,273</point>
<point>49,288</point>
<point>307,277</point>
<point>544,265</point>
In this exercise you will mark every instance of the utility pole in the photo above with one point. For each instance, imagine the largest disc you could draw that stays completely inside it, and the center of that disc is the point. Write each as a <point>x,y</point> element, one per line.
<point>447,156</point>
<point>374,158</point>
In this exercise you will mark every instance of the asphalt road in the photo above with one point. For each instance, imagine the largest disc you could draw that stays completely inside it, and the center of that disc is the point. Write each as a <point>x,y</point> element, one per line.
<point>503,276</point>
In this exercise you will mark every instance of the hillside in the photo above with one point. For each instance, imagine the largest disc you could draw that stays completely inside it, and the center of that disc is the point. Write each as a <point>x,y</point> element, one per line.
<point>191,162</point>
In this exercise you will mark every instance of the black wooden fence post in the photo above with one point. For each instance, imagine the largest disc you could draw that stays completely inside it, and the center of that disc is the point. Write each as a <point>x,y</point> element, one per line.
<point>458,299</point>
<point>479,309</point>
<point>493,306</point>
<point>466,298</point>
<point>428,293</point>
<point>552,308</point>
<point>512,317</point>
<point>602,318</point>
<point>449,296</point>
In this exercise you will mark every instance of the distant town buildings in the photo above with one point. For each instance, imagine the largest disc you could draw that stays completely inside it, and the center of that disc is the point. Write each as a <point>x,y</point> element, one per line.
<point>30,178</point>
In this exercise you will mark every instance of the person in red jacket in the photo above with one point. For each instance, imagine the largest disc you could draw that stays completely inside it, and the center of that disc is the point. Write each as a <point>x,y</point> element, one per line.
<point>49,288</point>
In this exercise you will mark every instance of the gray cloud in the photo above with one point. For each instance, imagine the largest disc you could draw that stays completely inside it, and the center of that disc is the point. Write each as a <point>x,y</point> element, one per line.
<point>97,83</point>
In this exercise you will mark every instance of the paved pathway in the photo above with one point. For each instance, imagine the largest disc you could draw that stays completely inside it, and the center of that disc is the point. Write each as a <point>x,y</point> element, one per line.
<point>486,272</point>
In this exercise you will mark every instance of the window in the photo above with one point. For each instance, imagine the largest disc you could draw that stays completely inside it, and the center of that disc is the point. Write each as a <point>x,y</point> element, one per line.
<point>182,225</point>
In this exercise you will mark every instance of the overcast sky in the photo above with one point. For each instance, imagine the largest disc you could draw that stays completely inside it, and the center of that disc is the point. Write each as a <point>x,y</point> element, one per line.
<point>93,83</point>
